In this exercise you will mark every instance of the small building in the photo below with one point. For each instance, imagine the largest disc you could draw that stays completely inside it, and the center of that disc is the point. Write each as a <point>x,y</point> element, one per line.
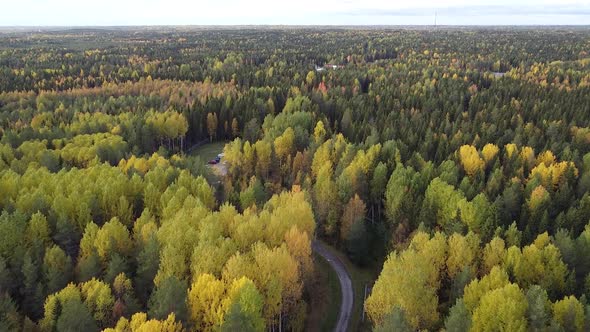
<point>328,66</point>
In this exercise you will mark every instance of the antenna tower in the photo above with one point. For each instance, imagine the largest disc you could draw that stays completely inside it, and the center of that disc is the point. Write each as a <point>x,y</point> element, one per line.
<point>435,18</point>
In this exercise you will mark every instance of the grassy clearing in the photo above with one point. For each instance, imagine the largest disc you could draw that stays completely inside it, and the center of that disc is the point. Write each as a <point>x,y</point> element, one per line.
<point>325,297</point>
<point>207,152</point>
<point>359,277</point>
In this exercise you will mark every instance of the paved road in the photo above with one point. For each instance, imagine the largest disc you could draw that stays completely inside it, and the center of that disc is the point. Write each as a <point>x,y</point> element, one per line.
<point>345,285</point>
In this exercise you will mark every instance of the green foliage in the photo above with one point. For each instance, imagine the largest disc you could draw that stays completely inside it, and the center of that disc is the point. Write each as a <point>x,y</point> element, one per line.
<point>399,199</point>
<point>75,317</point>
<point>441,203</point>
<point>459,318</point>
<point>165,299</point>
<point>357,243</point>
<point>236,320</point>
<point>538,308</point>
<point>9,316</point>
<point>57,269</point>
<point>395,321</point>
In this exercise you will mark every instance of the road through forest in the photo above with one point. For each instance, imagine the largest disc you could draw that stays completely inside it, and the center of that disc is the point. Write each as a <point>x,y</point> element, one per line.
<point>345,285</point>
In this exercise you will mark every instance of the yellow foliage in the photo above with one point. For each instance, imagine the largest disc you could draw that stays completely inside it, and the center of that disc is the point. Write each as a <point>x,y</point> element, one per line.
<point>489,152</point>
<point>288,209</point>
<point>470,159</point>
<point>319,132</point>
<point>494,254</point>
<point>527,155</point>
<point>546,157</point>
<point>205,302</point>
<point>551,175</point>
<point>463,251</point>
<point>284,143</point>
<point>354,211</point>
<point>139,323</point>
<point>410,281</point>
<point>510,149</point>
<point>299,246</point>
<point>99,299</point>
<point>112,237</point>
<point>501,309</point>
<point>142,164</point>
<point>539,196</point>
<point>497,278</point>
<point>563,309</point>
<point>276,275</point>
<point>538,264</point>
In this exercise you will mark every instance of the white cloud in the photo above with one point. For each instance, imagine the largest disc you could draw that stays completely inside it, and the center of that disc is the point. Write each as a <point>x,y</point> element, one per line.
<point>146,12</point>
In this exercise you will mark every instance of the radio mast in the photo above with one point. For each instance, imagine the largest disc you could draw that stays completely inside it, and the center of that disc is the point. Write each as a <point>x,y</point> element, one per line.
<point>435,19</point>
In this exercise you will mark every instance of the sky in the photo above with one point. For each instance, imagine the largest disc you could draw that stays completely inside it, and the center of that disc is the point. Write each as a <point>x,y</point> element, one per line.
<point>294,12</point>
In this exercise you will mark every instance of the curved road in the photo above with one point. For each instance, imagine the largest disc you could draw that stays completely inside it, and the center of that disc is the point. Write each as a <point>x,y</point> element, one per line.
<point>345,285</point>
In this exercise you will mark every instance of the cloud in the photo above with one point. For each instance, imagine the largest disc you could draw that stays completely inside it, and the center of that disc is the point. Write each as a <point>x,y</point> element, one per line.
<point>478,10</point>
<point>313,12</point>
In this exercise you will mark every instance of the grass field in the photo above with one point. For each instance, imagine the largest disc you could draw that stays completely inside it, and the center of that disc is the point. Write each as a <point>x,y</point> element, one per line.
<point>208,151</point>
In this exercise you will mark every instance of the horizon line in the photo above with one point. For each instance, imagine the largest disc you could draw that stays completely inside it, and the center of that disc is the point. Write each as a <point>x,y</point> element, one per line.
<point>290,25</point>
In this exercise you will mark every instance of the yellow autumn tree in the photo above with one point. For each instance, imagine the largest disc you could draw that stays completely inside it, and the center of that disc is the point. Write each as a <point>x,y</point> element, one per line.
<point>497,278</point>
<point>113,237</point>
<point>569,313</point>
<point>354,211</point>
<point>263,151</point>
<point>235,129</point>
<point>552,175</point>
<point>539,197</point>
<point>204,300</point>
<point>276,275</point>
<point>299,246</point>
<point>470,159</point>
<point>284,144</point>
<point>243,292</point>
<point>489,152</point>
<point>501,309</point>
<point>494,253</point>
<point>319,132</point>
<point>410,280</point>
<point>212,125</point>
<point>527,155</point>
<point>463,252</point>
<point>99,299</point>
<point>140,323</point>
<point>510,149</point>
<point>538,264</point>
<point>546,157</point>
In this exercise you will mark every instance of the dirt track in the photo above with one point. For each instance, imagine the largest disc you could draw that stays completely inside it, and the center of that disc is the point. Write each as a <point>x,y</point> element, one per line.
<point>345,285</point>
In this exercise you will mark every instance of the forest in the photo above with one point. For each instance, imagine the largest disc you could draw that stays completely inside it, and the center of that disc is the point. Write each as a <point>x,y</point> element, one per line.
<point>451,163</point>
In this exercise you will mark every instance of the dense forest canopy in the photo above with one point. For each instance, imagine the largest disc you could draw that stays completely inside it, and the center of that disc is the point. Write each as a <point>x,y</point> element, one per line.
<point>457,160</point>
